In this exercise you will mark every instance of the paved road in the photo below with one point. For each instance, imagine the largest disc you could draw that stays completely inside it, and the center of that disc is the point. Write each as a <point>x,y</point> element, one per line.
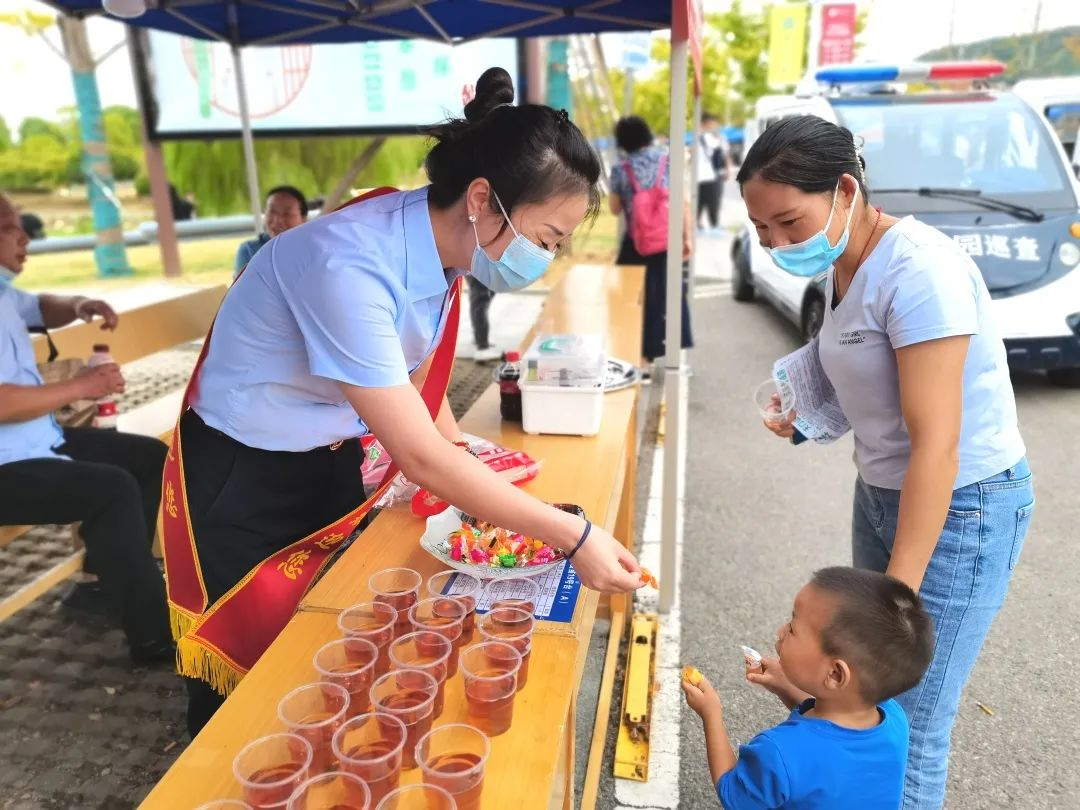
<point>762,515</point>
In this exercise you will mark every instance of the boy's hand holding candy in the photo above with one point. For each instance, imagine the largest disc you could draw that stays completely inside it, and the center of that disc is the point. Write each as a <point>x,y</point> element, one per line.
<point>703,699</point>
<point>700,695</point>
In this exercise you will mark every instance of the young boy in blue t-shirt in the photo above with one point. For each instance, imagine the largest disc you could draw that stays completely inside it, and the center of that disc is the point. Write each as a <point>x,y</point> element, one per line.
<point>856,639</point>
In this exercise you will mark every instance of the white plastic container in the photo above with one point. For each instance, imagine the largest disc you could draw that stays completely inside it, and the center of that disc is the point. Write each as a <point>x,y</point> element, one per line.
<point>565,410</point>
<point>569,359</point>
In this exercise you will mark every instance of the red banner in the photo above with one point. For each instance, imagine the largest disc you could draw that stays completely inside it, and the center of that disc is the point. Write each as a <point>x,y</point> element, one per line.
<point>837,45</point>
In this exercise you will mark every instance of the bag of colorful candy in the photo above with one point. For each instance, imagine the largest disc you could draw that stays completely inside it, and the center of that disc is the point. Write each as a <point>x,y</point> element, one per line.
<point>514,466</point>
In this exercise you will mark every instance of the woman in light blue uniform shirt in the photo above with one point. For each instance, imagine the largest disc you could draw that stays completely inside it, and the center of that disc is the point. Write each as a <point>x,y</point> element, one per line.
<point>329,332</point>
<point>943,497</point>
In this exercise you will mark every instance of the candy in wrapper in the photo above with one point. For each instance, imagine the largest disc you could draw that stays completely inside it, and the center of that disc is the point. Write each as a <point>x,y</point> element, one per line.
<point>753,659</point>
<point>691,675</point>
<point>647,578</point>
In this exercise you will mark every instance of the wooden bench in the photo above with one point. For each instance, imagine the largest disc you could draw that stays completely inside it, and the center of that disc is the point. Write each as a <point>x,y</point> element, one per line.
<point>532,764</point>
<point>142,331</point>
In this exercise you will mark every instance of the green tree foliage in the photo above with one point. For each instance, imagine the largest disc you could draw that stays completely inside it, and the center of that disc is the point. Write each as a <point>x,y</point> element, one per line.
<point>123,136</point>
<point>39,126</point>
<point>48,156</point>
<point>1057,53</point>
<point>733,74</point>
<point>214,171</point>
<point>5,135</point>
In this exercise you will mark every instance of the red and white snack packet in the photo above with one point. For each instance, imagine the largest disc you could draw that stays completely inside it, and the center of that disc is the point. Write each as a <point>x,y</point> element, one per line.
<point>514,466</point>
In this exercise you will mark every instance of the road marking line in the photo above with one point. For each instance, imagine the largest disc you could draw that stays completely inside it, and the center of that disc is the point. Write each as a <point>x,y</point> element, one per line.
<point>712,292</point>
<point>661,792</point>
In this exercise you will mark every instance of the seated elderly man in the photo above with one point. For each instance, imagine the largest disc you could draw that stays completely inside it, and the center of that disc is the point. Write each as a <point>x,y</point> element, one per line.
<point>285,208</point>
<point>109,481</point>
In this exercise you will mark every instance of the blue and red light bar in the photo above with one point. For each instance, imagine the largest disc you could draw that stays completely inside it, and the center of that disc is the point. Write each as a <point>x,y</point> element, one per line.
<point>914,72</point>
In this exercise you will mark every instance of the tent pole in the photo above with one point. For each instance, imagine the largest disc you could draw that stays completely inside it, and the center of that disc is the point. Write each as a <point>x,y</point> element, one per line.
<point>248,138</point>
<point>673,379</point>
<point>155,165</point>
<point>695,143</point>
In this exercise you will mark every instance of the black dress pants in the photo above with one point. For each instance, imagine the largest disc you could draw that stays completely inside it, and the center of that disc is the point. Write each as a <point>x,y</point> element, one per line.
<point>246,504</point>
<point>112,484</point>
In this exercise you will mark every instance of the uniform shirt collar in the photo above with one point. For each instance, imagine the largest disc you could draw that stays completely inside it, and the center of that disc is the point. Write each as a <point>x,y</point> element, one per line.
<point>424,274</point>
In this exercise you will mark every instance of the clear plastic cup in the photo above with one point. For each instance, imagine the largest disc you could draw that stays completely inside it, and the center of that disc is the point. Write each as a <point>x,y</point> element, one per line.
<point>399,588</point>
<point>349,662</point>
<point>453,757</point>
<point>315,711</point>
<point>409,695</point>
<point>511,626</point>
<point>775,400</point>
<point>467,590</point>
<point>336,789</point>
<point>370,746</point>
<point>515,592</point>
<point>490,670</point>
<point>374,622</point>
<point>270,768</point>
<point>428,652</point>
<point>444,615</point>
<point>418,797</point>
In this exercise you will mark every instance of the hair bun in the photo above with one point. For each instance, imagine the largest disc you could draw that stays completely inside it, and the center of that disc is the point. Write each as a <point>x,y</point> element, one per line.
<point>493,88</point>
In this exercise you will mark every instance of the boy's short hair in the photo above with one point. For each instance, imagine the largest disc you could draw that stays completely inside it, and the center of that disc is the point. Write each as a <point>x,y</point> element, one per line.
<point>880,628</point>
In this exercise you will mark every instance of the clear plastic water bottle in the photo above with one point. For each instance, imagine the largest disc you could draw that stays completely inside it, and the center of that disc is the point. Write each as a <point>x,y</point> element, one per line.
<point>106,406</point>
<point>509,392</point>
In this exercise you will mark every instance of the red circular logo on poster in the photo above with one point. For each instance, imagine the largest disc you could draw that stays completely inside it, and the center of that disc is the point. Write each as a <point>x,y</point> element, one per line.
<point>274,76</point>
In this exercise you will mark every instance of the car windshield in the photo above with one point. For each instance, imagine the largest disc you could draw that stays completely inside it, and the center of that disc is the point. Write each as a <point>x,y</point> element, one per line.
<point>994,145</point>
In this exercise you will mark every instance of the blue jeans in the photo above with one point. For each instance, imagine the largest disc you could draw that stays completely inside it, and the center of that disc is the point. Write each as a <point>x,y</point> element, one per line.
<point>963,590</point>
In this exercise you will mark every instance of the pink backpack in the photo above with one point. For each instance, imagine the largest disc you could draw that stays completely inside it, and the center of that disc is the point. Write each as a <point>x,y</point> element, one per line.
<point>649,212</point>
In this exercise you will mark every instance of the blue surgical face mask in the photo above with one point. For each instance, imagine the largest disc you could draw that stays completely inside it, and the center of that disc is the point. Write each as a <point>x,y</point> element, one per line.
<point>815,254</point>
<point>520,265</point>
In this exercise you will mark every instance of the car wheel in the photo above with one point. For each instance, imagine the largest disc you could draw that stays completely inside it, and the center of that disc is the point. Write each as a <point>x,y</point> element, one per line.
<point>1065,377</point>
<point>813,317</point>
<point>742,287</point>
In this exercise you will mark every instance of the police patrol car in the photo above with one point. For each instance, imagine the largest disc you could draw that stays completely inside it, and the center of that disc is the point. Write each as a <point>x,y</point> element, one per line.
<point>983,167</point>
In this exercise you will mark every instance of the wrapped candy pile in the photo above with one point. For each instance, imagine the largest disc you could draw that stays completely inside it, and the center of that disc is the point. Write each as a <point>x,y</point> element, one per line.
<point>489,545</point>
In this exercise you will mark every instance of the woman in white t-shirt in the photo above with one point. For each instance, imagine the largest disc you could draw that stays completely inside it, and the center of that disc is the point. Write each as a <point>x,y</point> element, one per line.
<point>943,498</point>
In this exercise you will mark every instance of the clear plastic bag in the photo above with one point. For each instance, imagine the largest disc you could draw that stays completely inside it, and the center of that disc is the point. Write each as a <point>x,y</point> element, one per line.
<point>514,466</point>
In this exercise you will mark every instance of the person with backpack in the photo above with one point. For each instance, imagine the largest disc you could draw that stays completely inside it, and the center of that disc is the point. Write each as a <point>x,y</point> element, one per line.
<point>713,168</point>
<point>639,191</point>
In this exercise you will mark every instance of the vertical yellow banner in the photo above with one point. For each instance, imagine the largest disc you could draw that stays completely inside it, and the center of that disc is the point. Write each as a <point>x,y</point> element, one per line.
<point>787,43</point>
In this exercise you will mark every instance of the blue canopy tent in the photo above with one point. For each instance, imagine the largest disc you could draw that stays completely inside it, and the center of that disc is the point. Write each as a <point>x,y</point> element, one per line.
<point>244,23</point>
<point>280,22</point>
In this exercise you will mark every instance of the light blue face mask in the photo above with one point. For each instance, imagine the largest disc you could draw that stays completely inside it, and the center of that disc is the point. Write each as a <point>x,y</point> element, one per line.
<point>815,254</point>
<point>520,265</point>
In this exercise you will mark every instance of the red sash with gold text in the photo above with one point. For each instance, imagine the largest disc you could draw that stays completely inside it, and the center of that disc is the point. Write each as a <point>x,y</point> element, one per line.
<point>219,643</point>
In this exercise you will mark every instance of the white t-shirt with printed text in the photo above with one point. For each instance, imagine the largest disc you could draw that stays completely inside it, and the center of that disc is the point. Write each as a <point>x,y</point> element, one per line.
<point>915,286</point>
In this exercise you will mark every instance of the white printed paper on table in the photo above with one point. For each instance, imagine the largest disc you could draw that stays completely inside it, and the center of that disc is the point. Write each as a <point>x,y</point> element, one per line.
<point>559,588</point>
<point>818,414</point>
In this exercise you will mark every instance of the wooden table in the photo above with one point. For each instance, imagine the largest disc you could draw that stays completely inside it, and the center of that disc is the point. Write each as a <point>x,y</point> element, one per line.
<point>531,765</point>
